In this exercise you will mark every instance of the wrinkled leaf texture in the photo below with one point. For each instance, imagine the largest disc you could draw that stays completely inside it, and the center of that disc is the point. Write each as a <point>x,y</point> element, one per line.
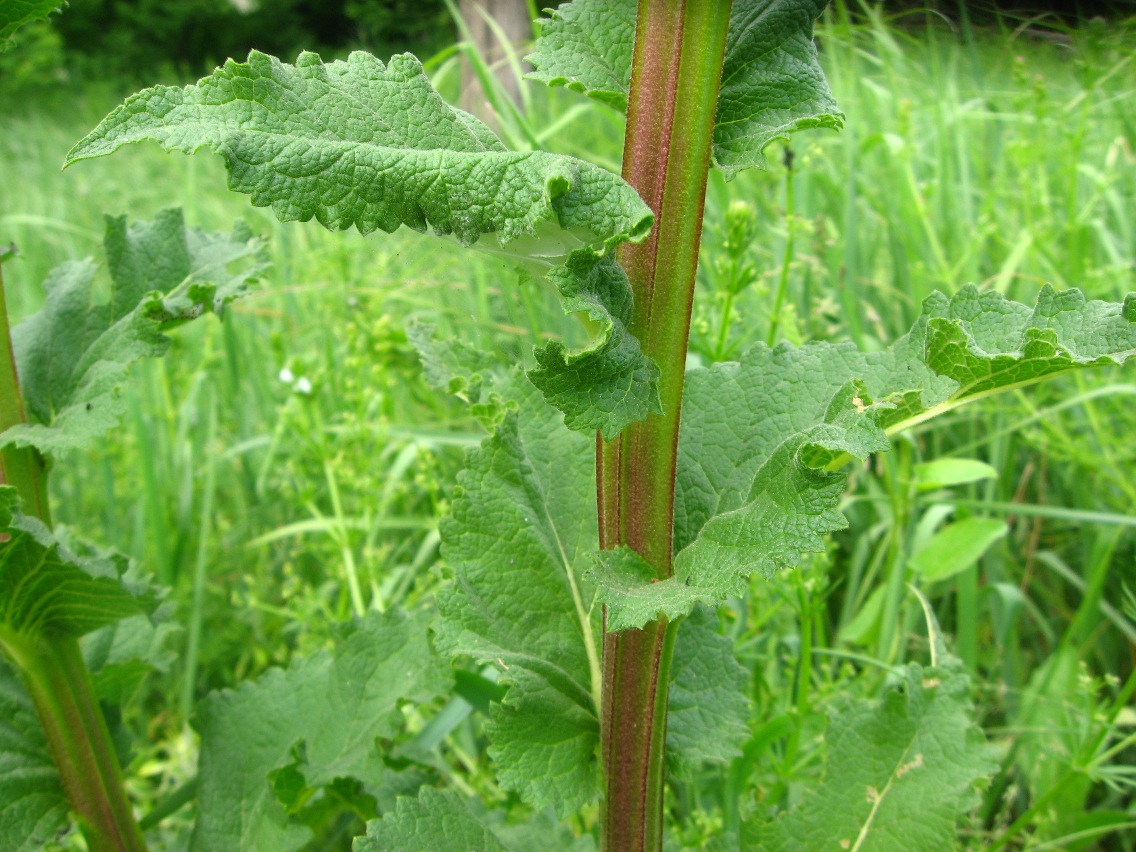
<point>901,771</point>
<point>762,440</point>
<point>772,82</point>
<point>359,143</point>
<point>73,354</point>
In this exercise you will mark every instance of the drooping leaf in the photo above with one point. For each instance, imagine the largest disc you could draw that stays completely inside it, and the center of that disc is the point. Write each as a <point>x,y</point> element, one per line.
<point>33,804</point>
<point>359,143</point>
<point>709,704</point>
<point>311,727</point>
<point>903,769</point>
<point>611,382</point>
<point>438,820</point>
<point>772,82</point>
<point>761,439</point>
<point>45,587</point>
<point>73,354</point>
<point>16,13</point>
<point>521,531</point>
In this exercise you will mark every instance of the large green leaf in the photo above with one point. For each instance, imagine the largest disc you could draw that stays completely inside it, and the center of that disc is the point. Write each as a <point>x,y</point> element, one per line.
<point>359,143</point>
<point>521,531</point>
<point>772,82</point>
<point>762,439</point>
<point>73,354</point>
<point>310,730</point>
<point>15,13</point>
<point>901,772</point>
<point>709,705</point>
<point>46,588</point>
<point>439,821</point>
<point>33,804</point>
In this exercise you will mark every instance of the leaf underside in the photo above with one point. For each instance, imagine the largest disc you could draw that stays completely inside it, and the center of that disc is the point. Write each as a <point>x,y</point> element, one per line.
<point>761,439</point>
<point>359,143</point>
<point>44,588</point>
<point>905,767</point>
<point>316,724</point>
<point>73,354</point>
<point>772,82</point>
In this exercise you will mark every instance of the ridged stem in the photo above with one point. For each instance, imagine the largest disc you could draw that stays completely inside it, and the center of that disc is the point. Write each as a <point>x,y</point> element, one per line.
<point>670,121</point>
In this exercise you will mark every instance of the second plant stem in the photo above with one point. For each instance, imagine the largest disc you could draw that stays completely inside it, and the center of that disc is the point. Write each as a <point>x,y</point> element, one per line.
<point>52,666</point>
<point>676,72</point>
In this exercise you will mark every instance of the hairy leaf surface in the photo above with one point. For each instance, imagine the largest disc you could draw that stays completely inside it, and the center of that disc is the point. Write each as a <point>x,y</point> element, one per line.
<point>772,82</point>
<point>33,804</point>
<point>522,528</point>
<point>709,703</point>
<point>359,143</point>
<point>903,769</point>
<point>16,13</point>
<point>73,354</point>
<point>761,438</point>
<point>440,821</point>
<point>312,726</point>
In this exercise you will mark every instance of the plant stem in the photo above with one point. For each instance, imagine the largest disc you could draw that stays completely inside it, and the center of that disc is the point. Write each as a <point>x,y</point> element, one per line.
<point>670,120</point>
<point>52,666</point>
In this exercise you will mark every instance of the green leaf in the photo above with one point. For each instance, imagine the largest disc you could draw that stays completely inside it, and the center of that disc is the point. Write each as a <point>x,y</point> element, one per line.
<point>317,724</point>
<point>907,766</point>
<point>521,531</point>
<point>33,805</point>
<point>762,439</point>
<point>16,13</point>
<point>709,704</point>
<point>956,547</point>
<point>46,588</point>
<point>74,353</point>
<point>587,46</point>
<point>439,821</point>
<point>772,82</point>
<point>609,383</point>
<point>360,143</point>
<point>943,473</point>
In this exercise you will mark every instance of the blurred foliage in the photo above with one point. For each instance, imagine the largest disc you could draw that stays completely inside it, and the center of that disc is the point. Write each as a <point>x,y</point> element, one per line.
<point>139,39</point>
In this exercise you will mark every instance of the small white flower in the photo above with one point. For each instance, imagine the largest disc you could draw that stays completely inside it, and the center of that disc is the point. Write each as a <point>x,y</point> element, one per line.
<point>286,376</point>
<point>303,385</point>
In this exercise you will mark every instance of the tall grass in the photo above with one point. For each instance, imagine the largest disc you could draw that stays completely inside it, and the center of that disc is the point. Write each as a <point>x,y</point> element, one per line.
<point>999,157</point>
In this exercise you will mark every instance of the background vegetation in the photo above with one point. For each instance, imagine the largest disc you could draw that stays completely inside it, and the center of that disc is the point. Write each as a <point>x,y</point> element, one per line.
<point>275,455</point>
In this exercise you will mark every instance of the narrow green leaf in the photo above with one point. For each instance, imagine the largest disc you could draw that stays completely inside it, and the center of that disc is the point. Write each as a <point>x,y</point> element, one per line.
<point>956,547</point>
<point>521,531</point>
<point>33,804</point>
<point>16,13</point>
<point>772,82</point>
<point>317,724</point>
<point>762,439</point>
<point>709,703</point>
<point>73,354</point>
<point>906,767</point>
<point>943,473</point>
<point>46,588</point>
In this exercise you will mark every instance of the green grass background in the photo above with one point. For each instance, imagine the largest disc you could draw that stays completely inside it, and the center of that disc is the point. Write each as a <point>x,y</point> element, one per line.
<point>1002,157</point>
